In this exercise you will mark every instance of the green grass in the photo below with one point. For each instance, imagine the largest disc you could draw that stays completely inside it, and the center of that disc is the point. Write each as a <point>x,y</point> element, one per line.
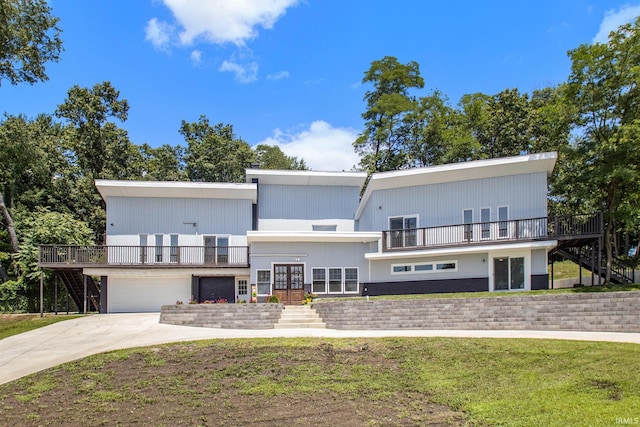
<point>515,382</point>
<point>17,324</point>
<point>566,270</point>
<point>585,289</point>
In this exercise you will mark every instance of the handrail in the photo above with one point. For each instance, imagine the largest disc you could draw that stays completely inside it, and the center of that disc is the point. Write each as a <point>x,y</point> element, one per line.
<point>103,255</point>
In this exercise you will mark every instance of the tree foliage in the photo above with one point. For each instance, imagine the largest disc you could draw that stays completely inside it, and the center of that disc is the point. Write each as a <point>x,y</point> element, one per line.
<point>381,144</point>
<point>214,153</point>
<point>272,157</point>
<point>603,87</point>
<point>29,38</point>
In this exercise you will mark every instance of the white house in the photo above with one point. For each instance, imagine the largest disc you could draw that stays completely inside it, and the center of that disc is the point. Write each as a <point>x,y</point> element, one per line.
<point>474,226</point>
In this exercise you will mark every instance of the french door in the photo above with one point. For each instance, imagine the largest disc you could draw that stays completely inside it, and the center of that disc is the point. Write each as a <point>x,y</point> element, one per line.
<point>508,273</point>
<point>288,284</point>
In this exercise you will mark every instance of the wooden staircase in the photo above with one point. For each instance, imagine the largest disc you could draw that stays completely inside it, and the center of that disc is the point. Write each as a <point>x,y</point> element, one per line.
<point>621,272</point>
<point>73,279</point>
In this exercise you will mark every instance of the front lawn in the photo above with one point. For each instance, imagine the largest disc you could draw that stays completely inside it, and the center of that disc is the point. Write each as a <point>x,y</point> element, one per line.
<point>335,382</point>
<point>13,324</point>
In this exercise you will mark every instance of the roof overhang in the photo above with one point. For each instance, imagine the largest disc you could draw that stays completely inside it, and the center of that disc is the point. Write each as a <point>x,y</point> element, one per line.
<point>458,250</point>
<point>312,237</point>
<point>288,177</point>
<point>455,172</point>
<point>182,190</point>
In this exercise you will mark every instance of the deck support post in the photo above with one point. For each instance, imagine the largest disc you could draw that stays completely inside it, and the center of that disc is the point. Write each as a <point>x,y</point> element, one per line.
<point>41,293</point>
<point>55,294</point>
<point>84,300</point>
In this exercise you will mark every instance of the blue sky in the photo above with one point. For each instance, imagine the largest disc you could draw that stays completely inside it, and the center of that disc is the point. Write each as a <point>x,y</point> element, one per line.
<point>289,72</point>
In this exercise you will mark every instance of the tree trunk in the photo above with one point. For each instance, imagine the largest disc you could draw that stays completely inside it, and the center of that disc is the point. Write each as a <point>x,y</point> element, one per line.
<point>13,238</point>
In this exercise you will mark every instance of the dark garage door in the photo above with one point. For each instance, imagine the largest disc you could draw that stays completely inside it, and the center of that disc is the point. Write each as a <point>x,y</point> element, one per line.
<point>213,288</point>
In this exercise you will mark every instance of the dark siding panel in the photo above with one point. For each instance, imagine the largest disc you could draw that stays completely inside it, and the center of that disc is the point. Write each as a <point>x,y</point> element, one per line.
<point>426,286</point>
<point>539,281</point>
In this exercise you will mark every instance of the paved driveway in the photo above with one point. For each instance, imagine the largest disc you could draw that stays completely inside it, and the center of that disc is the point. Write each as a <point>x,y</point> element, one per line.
<point>73,339</point>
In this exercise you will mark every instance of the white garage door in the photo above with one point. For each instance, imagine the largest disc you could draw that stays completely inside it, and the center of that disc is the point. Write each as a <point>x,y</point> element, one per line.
<point>146,294</point>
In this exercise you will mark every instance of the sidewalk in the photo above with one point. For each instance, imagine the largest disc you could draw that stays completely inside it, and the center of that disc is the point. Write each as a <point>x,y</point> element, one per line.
<point>73,339</point>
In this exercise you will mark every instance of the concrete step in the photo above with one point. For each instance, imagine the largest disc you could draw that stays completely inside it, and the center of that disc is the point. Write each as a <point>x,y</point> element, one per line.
<point>296,317</point>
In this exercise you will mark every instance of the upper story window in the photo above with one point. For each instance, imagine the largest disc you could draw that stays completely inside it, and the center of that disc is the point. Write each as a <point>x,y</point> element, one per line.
<point>404,231</point>
<point>324,227</point>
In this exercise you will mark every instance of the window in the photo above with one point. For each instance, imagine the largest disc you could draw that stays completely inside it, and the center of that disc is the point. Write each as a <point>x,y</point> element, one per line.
<point>508,273</point>
<point>425,267</point>
<point>350,280</point>
<point>143,248</point>
<point>173,251</point>
<point>216,250</point>
<point>322,227</point>
<point>401,268</point>
<point>467,219</point>
<point>158,249</point>
<point>264,282</point>
<point>403,231</point>
<point>319,281</point>
<point>485,217</point>
<point>335,280</point>
<point>242,287</point>
<point>503,217</point>
<point>447,266</point>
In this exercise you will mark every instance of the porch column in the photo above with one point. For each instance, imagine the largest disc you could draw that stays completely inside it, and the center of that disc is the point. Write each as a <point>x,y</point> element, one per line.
<point>41,293</point>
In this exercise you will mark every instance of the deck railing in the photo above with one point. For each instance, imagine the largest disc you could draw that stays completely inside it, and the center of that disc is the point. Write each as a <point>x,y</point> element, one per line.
<point>143,256</point>
<point>478,233</point>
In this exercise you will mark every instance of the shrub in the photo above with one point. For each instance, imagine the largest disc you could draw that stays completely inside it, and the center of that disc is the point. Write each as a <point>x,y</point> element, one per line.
<point>273,299</point>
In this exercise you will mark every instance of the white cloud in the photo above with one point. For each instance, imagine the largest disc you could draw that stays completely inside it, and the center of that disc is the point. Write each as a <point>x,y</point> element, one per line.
<point>323,147</point>
<point>158,33</point>
<point>196,56</point>
<point>614,19</point>
<point>278,76</point>
<point>246,73</point>
<point>224,21</point>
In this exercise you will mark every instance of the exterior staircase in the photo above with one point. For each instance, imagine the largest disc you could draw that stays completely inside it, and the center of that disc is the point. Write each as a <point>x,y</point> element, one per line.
<point>299,316</point>
<point>74,281</point>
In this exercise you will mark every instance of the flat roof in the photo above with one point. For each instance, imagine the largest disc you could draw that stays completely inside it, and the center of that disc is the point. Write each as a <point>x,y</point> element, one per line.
<point>177,189</point>
<point>296,177</point>
<point>313,236</point>
<point>454,172</point>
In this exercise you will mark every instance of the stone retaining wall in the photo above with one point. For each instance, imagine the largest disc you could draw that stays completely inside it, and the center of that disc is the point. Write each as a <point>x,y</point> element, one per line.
<point>228,316</point>
<point>598,312</point>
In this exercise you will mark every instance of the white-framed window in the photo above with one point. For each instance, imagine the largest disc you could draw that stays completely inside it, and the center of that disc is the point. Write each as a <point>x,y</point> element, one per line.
<point>335,280</point>
<point>243,288</point>
<point>263,282</point>
<point>173,251</point>
<point>467,220</point>
<point>403,230</point>
<point>485,218</point>
<point>350,280</point>
<point>503,225</point>
<point>324,227</point>
<point>158,249</point>
<point>319,281</point>
<point>425,267</point>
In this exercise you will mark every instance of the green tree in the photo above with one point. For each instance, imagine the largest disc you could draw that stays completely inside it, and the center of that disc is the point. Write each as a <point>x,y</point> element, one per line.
<point>213,153</point>
<point>29,38</point>
<point>382,144</point>
<point>164,163</point>
<point>603,87</point>
<point>41,227</point>
<point>272,157</point>
<point>100,147</point>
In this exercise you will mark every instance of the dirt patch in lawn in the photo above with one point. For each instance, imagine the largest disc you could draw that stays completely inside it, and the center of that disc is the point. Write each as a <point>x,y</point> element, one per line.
<point>232,382</point>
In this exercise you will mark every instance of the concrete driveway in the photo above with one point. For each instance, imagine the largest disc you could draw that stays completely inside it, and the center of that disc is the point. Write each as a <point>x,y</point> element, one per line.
<point>73,339</point>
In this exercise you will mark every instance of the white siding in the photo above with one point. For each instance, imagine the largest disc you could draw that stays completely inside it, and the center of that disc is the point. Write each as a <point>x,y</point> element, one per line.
<point>443,204</point>
<point>307,201</point>
<point>469,266</point>
<point>133,215</point>
<point>303,224</point>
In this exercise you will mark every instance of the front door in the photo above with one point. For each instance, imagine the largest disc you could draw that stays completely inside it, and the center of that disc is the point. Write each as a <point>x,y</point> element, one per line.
<point>288,283</point>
